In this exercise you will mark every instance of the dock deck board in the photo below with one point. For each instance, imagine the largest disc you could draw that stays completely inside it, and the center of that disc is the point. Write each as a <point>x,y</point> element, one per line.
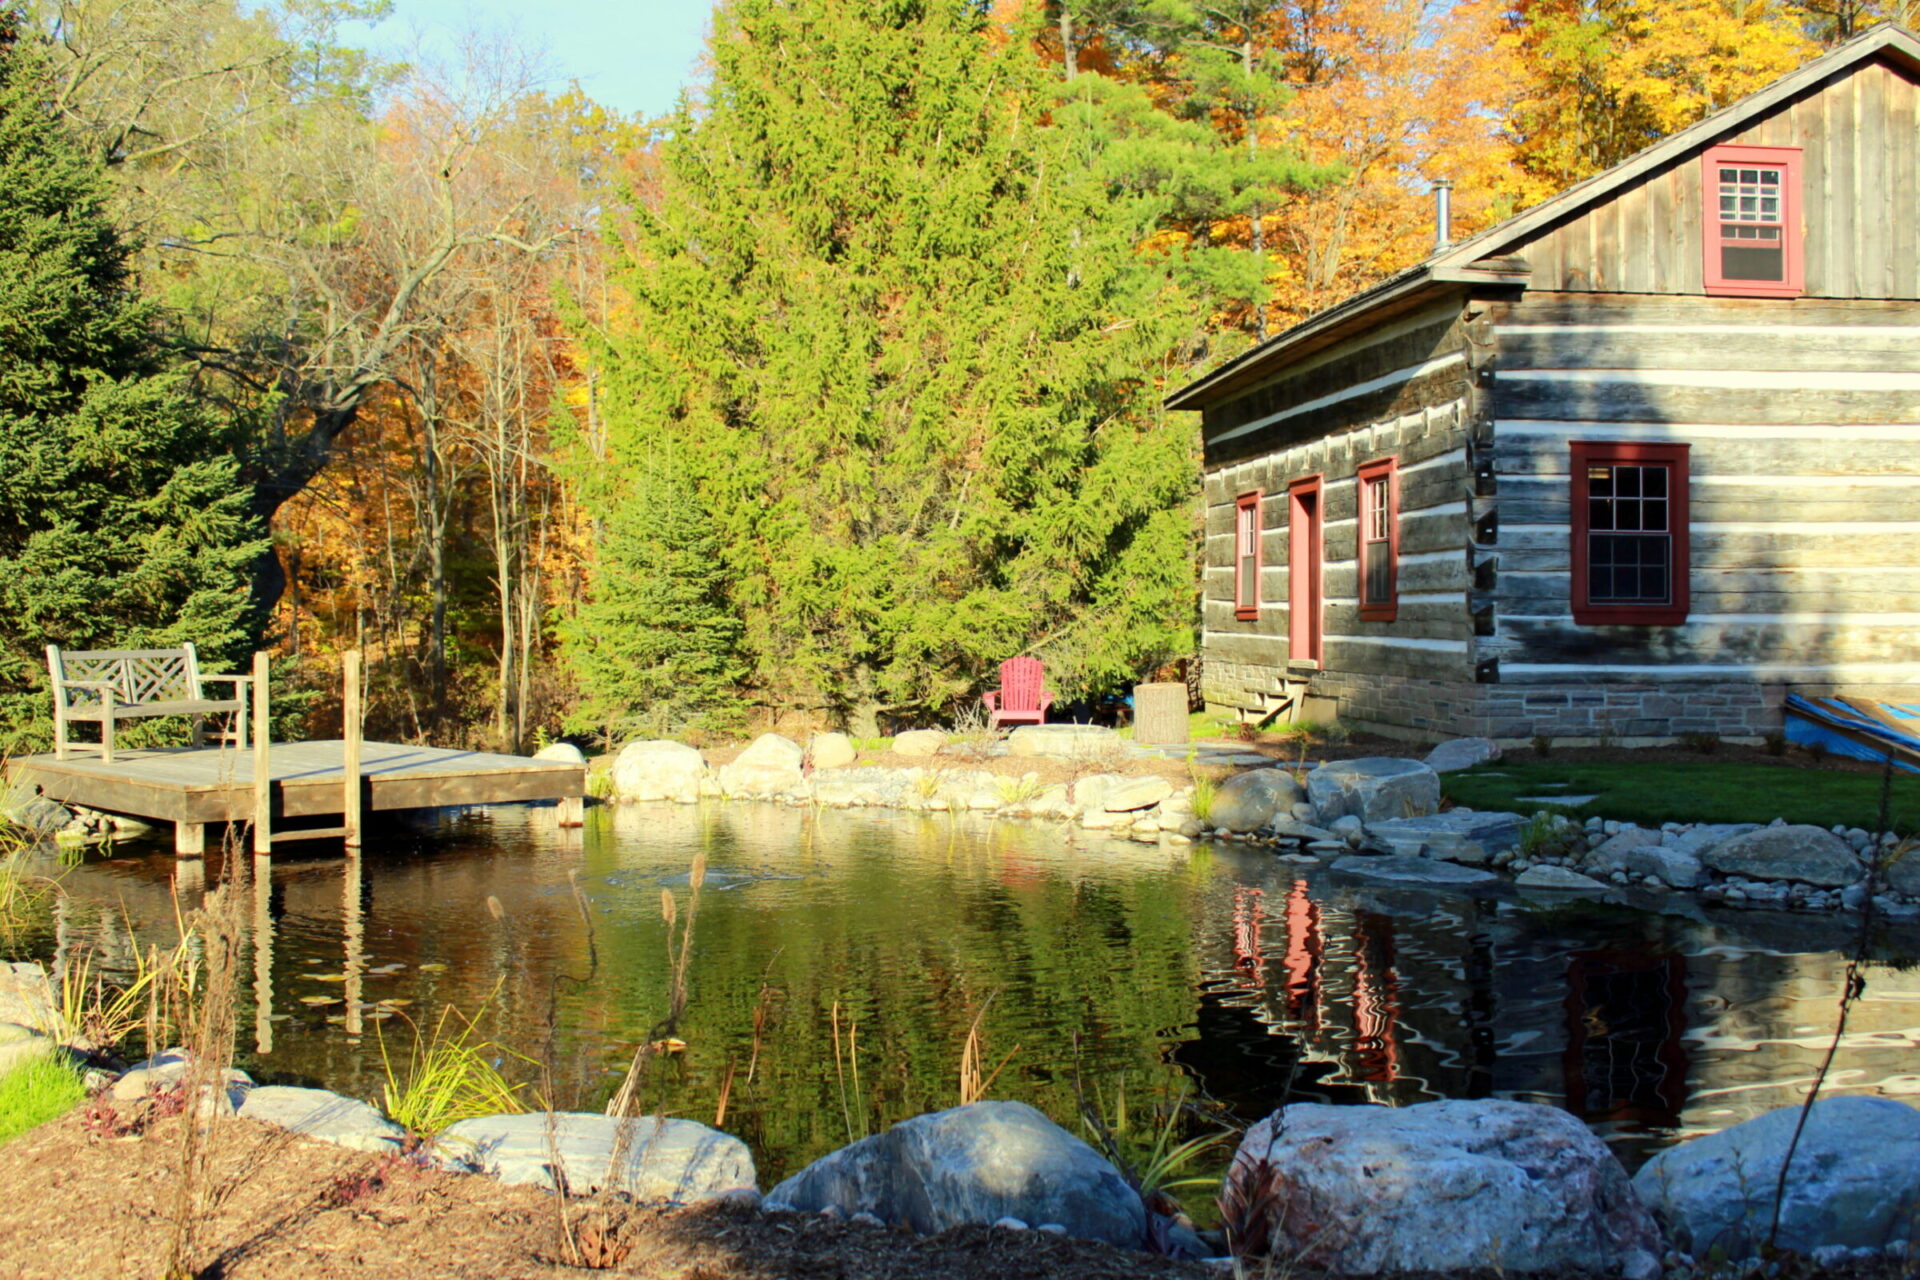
<point>215,784</point>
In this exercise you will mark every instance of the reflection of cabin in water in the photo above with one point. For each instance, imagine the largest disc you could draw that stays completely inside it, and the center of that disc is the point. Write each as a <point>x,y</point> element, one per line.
<point>1630,464</point>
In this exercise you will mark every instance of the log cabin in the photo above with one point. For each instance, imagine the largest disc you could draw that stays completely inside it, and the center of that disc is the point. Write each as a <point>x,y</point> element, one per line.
<point>1628,466</point>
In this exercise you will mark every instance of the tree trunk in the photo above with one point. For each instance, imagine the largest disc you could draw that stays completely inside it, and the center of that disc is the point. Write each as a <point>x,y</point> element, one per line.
<point>1069,58</point>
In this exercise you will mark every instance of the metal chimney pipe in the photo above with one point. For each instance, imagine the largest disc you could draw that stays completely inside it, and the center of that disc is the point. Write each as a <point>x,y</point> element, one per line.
<point>1442,212</point>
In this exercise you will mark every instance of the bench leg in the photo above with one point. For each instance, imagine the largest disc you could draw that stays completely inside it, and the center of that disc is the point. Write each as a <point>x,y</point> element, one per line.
<point>240,729</point>
<point>198,729</point>
<point>106,735</point>
<point>59,734</point>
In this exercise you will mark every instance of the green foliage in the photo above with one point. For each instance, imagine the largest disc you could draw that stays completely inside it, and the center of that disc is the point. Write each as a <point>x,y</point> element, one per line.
<point>889,313</point>
<point>449,1075</point>
<point>38,1090</point>
<point>123,521</point>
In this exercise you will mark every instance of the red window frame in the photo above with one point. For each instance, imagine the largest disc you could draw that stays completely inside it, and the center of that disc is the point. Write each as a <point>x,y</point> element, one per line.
<point>1793,255</point>
<point>1365,545</point>
<point>1674,457</point>
<point>1246,541</point>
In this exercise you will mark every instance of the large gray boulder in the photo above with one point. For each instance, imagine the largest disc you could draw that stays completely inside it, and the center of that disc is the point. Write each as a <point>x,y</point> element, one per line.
<point>22,1046</point>
<point>317,1113</point>
<point>974,1164</point>
<point>26,996</point>
<point>1854,1181</point>
<point>1374,789</point>
<point>770,766</point>
<point>671,1161</point>
<point>831,751</point>
<point>1138,793</point>
<point>1247,801</point>
<point>1697,840</point>
<point>1408,869</point>
<point>919,742</point>
<point>1669,864</point>
<point>1462,753</point>
<point>1472,838</point>
<point>1063,741</point>
<point>1803,853</point>
<point>1443,1186</point>
<point>658,770</point>
<point>561,753</point>
<point>1903,873</point>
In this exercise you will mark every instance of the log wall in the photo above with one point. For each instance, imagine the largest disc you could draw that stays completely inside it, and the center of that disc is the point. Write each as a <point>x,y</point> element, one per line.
<point>1803,419</point>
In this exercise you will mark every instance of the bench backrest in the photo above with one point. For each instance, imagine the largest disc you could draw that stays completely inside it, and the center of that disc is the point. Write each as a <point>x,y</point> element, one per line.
<point>137,675</point>
<point>1022,681</point>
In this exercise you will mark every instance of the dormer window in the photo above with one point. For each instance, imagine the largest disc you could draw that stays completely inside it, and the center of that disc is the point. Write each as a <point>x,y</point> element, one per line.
<point>1752,233</point>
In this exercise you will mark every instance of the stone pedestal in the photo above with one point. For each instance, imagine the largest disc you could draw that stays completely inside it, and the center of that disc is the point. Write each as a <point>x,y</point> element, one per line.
<point>1160,714</point>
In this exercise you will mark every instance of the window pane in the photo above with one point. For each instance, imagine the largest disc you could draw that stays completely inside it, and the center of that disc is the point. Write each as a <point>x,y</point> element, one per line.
<point>1599,514</point>
<point>1247,592</point>
<point>1755,262</point>
<point>1653,481</point>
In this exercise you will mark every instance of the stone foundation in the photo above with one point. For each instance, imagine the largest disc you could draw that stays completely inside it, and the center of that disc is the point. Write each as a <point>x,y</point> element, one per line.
<point>1588,713</point>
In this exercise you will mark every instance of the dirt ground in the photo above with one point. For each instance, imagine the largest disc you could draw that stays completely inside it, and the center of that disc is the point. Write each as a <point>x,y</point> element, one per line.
<point>284,1207</point>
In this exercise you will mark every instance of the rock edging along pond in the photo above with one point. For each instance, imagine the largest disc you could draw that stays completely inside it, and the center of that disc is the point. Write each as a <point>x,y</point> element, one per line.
<point>1359,1190</point>
<point>1377,818</point>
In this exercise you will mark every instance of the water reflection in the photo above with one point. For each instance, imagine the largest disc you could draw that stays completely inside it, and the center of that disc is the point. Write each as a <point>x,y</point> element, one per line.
<point>1249,977</point>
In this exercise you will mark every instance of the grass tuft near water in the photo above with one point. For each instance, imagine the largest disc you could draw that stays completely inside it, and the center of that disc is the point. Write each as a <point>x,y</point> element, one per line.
<point>40,1090</point>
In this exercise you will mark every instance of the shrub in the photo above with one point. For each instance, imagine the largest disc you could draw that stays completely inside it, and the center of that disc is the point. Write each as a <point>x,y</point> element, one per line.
<point>1777,743</point>
<point>1705,743</point>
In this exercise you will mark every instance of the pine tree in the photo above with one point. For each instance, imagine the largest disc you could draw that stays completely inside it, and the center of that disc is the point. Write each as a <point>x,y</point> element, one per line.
<point>123,523</point>
<point>890,307</point>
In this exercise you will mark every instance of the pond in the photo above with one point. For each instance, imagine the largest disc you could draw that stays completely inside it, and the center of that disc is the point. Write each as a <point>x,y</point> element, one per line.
<point>838,960</point>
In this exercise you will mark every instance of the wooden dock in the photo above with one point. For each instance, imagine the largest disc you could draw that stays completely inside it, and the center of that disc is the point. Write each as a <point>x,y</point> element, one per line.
<point>192,787</point>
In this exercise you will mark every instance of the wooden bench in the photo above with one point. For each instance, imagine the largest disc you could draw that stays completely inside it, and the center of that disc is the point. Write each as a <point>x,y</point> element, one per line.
<point>110,685</point>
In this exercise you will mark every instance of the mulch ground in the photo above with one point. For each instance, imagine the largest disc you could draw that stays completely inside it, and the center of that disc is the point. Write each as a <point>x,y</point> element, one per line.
<point>281,1207</point>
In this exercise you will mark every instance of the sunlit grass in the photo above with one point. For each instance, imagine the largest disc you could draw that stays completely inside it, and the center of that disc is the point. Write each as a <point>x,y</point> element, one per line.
<point>41,1089</point>
<point>450,1074</point>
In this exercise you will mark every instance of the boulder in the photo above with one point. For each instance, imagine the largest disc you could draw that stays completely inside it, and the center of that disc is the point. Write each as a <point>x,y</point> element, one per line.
<point>1559,878</point>
<point>1288,829</point>
<point>770,766</point>
<point>675,1161</point>
<point>34,815</point>
<point>974,1164</point>
<point>1469,837</point>
<point>1462,753</point>
<point>26,996</point>
<point>919,742</point>
<point>561,753</point>
<point>1807,854</point>
<point>831,751</point>
<point>21,1045</point>
<point>1666,863</point>
<point>1247,801</point>
<point>658,770</point>
<point>1062,741</point>
<point>1374,789</point>
<point>1443,1186</point>
<point>317,1113</point>
<point>1606,854</point>
<point>1090,793</point>
<point>1855,1180</point>
<point>169,1068</point>
<point>1137,793</point>
<point>1400,868</point>
<point>1698,840</point>
<point>1903,873</point>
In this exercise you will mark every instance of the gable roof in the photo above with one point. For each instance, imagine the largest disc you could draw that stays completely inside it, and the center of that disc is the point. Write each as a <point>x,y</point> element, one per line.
<point>1482,258</point>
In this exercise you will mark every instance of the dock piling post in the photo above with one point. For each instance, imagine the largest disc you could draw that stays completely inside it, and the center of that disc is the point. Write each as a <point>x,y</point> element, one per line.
<point>190,839</point>
<point>571,811</point>
<point>262,779</point>
<point>350,753</point>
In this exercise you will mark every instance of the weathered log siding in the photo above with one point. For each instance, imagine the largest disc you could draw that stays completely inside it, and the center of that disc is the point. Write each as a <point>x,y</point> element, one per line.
<point>1859,132</point>
<point>1401,391</point>
<point>1803,419</point>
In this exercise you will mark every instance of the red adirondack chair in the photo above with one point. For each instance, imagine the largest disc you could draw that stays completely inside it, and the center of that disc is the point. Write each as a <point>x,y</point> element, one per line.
<point>1022,697</point>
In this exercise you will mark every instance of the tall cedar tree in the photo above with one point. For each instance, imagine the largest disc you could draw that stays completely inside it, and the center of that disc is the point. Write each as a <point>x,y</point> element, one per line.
<point>890,312</point>
<point>123,523</point>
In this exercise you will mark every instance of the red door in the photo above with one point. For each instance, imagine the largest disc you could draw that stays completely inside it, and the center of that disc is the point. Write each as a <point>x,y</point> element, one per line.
<point>1306,545</point>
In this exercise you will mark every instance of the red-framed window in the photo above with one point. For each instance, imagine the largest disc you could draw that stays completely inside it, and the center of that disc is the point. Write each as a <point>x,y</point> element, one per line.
<point>1629,529</point>
<point>1379,539</point>
<point>1753,232</point>
<point>1246,556</point>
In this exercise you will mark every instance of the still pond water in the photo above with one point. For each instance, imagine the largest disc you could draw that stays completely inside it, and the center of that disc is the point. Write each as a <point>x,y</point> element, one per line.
<point>1104,970</point>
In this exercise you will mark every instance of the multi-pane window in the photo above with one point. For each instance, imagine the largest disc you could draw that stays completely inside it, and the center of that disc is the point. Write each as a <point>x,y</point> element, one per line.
<point>1629,535</point>
<point>1752,220</point>
<point>1379,520</point>
<point>1246,556</point>
<point>1629,532</point>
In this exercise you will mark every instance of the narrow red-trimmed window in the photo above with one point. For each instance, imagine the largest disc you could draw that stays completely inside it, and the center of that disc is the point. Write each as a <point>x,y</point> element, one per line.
<point>1379,540</point>
<point>1246,556</point>
<point>1752,234</point>
<point>1630,533</point>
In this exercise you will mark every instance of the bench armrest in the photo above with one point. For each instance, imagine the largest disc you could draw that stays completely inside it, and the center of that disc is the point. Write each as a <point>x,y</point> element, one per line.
<point>237,681</point>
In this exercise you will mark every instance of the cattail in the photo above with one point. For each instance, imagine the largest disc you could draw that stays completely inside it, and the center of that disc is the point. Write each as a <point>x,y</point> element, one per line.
<point>667,910</point>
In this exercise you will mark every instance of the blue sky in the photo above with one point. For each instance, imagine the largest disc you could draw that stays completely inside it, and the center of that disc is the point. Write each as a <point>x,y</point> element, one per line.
<point>634,56</point>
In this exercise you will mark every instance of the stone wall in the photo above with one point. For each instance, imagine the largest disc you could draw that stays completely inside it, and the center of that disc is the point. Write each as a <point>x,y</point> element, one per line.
<point>1573,714</point>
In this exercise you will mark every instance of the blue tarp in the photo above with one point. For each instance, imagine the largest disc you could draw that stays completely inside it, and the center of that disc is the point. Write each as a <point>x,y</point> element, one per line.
<point>1846,732</point>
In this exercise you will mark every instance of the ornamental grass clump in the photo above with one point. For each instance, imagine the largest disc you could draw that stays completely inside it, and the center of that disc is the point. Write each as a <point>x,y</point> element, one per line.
<point>450,1074</point>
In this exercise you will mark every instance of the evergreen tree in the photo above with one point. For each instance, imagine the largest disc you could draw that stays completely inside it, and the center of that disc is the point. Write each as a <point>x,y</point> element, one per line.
<point>123,523</point>
<point>890,307</point>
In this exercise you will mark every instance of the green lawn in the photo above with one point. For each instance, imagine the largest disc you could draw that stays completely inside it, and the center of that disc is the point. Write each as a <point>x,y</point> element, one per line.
<point>1657,791</point>
<point>36,1092</point>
